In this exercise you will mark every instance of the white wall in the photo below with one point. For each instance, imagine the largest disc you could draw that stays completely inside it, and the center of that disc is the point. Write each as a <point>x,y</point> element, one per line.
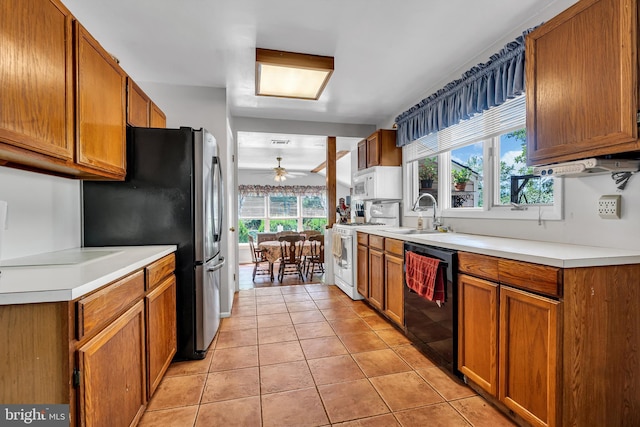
<point>43,213</point>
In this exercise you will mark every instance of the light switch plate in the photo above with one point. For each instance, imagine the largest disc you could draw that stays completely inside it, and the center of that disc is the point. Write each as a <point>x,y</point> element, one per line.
<point>609,206</point>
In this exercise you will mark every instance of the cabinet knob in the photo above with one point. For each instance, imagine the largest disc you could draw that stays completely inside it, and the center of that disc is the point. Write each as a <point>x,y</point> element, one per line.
<point>232,229</point>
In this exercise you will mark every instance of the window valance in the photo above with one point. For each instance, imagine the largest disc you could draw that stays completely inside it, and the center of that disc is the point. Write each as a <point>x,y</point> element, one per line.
<point>281,190</point>
<point>482,87</point>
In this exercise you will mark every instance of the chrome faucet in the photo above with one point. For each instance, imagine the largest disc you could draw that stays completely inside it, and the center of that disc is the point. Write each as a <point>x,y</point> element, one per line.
<point>418,208</point>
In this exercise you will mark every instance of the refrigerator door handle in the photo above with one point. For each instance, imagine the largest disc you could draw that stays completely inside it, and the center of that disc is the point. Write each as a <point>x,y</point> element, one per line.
<point>218,266</point>
<point>219,188</point>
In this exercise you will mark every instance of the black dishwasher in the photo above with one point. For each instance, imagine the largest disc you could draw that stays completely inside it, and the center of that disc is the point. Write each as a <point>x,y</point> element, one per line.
<point>433,327</point>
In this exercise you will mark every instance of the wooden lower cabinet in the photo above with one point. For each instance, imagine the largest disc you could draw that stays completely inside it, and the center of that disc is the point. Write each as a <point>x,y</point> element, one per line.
<point>106,374</point>
<point>376,278</point>
<point>161,331</point>
<point>478,331</point>
<point>363,270</point>
<point>529,354</point>
<point>394,288</point>
<point>112,390</point>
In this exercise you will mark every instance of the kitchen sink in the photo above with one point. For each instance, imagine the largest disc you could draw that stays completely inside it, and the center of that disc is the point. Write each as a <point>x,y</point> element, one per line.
<point>400,230</point>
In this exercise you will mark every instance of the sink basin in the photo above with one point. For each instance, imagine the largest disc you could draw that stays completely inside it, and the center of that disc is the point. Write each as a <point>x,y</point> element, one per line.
<point>401,230</point>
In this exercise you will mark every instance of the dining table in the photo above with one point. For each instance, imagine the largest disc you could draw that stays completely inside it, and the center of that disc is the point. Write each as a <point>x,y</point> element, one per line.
<point>271,249</point>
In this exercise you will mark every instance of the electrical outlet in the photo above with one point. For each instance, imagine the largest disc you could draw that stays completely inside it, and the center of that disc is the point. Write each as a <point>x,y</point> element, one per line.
<point>609,206</point>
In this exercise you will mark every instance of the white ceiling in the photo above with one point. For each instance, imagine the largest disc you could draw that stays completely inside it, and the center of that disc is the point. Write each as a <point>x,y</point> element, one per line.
<point>388,54</point>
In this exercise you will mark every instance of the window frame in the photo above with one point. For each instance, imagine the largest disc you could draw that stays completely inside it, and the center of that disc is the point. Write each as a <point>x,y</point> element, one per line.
<point>491,170</point>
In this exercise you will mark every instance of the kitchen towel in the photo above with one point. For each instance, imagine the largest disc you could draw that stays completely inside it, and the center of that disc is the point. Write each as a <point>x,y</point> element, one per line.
<point>424,276</point>
<point>336,246</point>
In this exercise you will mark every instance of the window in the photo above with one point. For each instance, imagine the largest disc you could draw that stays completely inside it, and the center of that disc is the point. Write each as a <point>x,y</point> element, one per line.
<point>482,169</point>
<point>272,213</point>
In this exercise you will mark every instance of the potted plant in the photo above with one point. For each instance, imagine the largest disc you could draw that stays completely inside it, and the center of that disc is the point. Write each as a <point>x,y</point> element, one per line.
<point>427,172</point>
<point>460,178</point>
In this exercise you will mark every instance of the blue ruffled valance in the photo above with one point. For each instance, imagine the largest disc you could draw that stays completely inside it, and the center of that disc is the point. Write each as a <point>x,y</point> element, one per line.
<point>482,87</point>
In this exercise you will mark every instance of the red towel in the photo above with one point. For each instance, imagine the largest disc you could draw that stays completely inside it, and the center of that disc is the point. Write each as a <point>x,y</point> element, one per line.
<point>423,275</point>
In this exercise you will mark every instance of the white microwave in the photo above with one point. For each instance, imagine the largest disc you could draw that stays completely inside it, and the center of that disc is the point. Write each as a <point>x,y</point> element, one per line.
<point>378,183</point>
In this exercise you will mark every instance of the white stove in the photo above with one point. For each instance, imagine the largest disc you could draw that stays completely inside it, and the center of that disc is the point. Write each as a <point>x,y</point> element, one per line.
<point>345,273</point>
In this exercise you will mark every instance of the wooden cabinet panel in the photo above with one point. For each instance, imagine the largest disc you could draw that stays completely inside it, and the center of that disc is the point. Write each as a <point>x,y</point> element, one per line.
<point>138,105</point>
<point>112,368</point>
<point>478,265</point>
<point>161,331</point>
<point>582,93</point>
<point>529,356</point>
<point>159,270</point>
<point>36,71</point>
<point>158,119</point>
<point>376,278</point>
<point>394,246</point>
<point>363,238</point>
<point>394,288</point>
<point>100,108</point>
<point>373,150</point>
<point>478,331</point>
<point>376,242</point>
<point>99,308</point>
<point>363,270</point>
<point>362,154</point>
<point>534,277</point>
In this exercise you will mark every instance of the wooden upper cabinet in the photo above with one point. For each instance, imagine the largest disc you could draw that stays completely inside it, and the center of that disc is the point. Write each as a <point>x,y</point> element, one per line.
<point>138,105</point>
<point>582,88</point>
<point>100,108</point>
<point>36,71</point>
<point>158,119</point>
<point>362,154</point>
<point>379,149</point>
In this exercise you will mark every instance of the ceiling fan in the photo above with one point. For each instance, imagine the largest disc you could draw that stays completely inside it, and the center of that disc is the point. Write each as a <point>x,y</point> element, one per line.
<point>280,174</point>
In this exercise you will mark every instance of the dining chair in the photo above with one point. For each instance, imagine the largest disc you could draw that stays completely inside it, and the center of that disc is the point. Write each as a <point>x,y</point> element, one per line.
<point>310,233</point>
<point>316,257</point>
<point>285,233</point>
<point>291,247</point>
<point>258,261</point>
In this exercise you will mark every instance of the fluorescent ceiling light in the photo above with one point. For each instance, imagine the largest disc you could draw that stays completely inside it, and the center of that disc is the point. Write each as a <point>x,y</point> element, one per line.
<point>291,75</point>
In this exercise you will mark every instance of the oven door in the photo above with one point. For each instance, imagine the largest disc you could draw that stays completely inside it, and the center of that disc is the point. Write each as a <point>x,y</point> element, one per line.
<point>343,266</point>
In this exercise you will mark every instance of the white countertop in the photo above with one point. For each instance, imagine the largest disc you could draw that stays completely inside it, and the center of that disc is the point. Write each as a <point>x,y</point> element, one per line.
<point>72,273</point>
<point>547,253</point>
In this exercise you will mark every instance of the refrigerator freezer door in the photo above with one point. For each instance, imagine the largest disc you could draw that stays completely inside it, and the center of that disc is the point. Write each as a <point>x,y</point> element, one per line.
<point>207,302</point>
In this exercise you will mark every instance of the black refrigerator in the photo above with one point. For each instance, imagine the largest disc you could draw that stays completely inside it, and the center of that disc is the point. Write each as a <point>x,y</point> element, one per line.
<point>173,194</point>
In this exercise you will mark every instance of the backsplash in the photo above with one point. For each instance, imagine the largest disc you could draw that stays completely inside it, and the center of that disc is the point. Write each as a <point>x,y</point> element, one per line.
<point>43,213</point>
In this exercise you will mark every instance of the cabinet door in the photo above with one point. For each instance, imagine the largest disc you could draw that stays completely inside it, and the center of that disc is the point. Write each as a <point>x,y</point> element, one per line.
<point>36,71</point>
<point>158,119</point>
<point>138,105</point>
<point>100,109</point>
<point>529,356</point>
<point>363,271</point>
<point>112,369</point>
<point>373,150</point>
<point>161,331</point>
<point>394,288</point>
<point>478,331</point>
<point>582,83</point>
<point>362,155</point>
<point>376,278</point>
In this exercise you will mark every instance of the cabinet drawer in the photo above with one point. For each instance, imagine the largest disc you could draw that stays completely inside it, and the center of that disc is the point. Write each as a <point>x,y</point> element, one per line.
<point>534,277</point>
<point>99,308</point>
<point>394,246</point>
<point>483,266</point>
<point>363,239</point>
<point>376,242</point>
<point>159,270</point>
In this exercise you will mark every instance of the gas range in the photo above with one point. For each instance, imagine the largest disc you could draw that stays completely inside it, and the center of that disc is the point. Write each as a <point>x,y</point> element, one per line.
<point>350,229</point>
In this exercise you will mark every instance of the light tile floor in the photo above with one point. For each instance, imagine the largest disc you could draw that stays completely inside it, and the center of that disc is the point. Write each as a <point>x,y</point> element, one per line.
<point>307,355</point>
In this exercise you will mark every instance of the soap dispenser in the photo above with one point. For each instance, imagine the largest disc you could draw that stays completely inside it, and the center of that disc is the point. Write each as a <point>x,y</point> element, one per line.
<point>420,223</point>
